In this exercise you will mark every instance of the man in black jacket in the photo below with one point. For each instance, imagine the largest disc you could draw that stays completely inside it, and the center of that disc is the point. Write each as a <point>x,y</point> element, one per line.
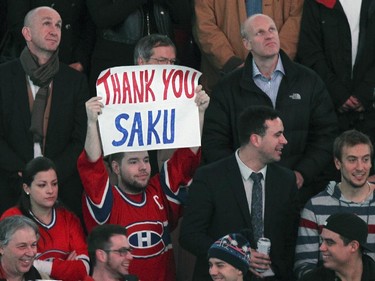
<point>270,78</point>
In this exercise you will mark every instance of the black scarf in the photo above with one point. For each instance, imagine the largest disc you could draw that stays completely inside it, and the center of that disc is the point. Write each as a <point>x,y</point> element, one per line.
<point>40,75</point>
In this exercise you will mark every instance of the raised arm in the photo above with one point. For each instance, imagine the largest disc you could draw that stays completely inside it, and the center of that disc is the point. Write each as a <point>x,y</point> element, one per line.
<point>93,146</point>
<point>202,100</point>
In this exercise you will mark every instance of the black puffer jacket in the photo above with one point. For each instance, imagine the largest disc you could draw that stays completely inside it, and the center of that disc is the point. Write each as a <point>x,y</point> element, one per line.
<point>305,108</point>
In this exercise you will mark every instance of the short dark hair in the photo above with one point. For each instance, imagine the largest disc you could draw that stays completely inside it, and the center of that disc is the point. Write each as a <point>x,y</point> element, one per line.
<point>99,238</point>
<point>350,138</point>
<point>145,46</point>
<point>115,157</point>
<point>253,121</point>
<point>345,240</point>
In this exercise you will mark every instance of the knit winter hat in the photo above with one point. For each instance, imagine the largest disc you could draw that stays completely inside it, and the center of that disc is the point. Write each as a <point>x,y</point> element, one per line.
<point>233,249</point>
<point>349,226</point>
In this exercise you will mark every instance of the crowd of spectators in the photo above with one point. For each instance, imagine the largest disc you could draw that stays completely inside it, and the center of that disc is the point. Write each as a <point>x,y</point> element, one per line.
<point>286,106</point>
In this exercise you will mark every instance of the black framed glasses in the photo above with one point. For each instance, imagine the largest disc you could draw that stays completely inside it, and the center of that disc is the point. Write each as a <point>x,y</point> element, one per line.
<point>122,251</point>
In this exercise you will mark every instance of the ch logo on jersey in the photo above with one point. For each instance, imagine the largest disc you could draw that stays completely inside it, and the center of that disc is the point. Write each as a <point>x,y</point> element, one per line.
<point>149,238</point>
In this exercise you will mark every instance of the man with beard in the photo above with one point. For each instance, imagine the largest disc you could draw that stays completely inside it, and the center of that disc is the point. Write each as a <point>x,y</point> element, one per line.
<point>110,253</point>
<point>149,208</point>
<point>353,153</point>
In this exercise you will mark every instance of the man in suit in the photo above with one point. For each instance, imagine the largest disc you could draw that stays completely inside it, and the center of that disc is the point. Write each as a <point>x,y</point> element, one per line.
<point>42,111</point>
<point>221,198</point>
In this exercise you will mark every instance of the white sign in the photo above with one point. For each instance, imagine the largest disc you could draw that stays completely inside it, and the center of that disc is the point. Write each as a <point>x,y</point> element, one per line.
<point>148,107</point>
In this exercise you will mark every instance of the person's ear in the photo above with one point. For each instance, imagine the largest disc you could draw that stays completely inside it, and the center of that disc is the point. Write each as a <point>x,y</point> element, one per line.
<point>26,32</point>
<point>140,61</point>
<point>337,163</point>
<point>115,167</point>
<point>354,245</point>
<point>101,255</point>
<point>246,44</point>
<point>255,139</point>
<point>26,188</point>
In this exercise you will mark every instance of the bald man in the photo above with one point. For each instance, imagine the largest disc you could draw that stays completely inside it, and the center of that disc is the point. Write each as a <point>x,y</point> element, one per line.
<point>42,111</point>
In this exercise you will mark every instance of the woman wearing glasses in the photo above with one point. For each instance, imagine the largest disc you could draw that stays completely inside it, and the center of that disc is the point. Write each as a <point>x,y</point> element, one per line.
<point>62,250</point>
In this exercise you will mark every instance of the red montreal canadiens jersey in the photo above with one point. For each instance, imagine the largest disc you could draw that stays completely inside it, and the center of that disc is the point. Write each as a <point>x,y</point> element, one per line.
<point>63,235</point>
<point>149,221</point>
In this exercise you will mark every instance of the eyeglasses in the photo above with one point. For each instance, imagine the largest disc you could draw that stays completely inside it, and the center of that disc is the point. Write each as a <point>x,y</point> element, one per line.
<point>164,60</point>
<point>122,251</point>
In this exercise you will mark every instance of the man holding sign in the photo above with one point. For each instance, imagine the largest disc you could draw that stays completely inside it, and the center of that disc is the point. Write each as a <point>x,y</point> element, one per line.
<point>148,208</point>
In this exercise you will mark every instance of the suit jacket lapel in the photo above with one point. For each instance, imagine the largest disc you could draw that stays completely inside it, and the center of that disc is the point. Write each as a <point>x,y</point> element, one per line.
<point>238,189</point>
<point>19,85</point>
<point>272,183</point>
<point>58,100</point>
